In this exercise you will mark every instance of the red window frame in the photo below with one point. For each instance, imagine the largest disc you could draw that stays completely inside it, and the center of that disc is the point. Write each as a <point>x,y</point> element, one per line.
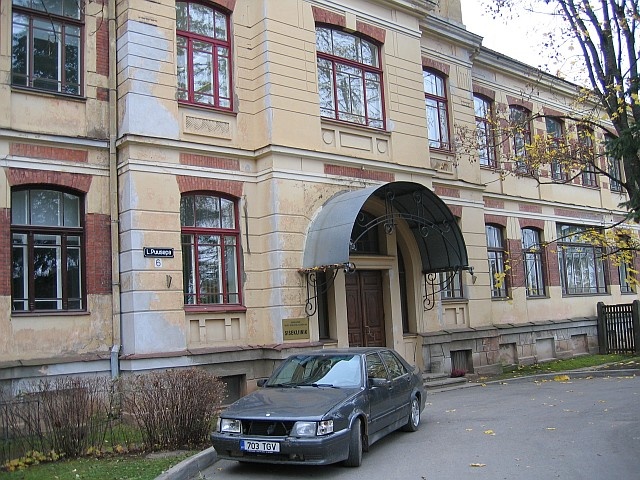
<point>194,296</point>
<point>442,137</point>
<point>221,95</point>
<point>361,71</point>
<point>483,110</point>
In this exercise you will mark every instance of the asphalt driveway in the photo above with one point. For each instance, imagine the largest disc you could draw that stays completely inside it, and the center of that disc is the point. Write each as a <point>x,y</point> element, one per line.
<point>577,428</point>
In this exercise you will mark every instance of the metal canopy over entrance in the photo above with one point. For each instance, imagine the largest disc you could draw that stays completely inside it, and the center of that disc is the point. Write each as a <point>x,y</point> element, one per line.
<point>434,228</point>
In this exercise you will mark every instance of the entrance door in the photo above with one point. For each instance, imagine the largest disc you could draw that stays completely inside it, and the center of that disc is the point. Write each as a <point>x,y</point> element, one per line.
<point>365,310</point>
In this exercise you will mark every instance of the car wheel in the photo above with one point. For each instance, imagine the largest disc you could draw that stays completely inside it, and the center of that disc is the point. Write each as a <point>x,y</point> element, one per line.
<point>413,423</point>
<point>355,445</point>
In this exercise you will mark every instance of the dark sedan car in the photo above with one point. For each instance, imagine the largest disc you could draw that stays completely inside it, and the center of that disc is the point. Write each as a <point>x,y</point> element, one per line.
<point>322,407</point>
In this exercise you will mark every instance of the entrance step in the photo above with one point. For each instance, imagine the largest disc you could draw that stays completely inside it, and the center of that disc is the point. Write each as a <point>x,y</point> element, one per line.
<point>441,381</point>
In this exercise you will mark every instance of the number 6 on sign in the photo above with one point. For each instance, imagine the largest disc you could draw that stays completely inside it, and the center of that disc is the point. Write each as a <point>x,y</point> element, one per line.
<point>158,262</point>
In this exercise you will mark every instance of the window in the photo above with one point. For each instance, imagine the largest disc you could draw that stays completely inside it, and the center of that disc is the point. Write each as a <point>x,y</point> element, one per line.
<point>587,156</point>
<point>615,169</point>
<point>435,99</point>
<point>554,141</point>
<point>47,255</point>
<point>519,117</point>
<point>210,250</point>
<point>582,270</point>
<point>349,78</point>
<point>203,55</point>
<point>46,48</point>
<point>533,262</point>
<point>451,285</point>
<point>627,281</point>
<point>497,254</point>
<point>484,128</point>
<point>364,235</point>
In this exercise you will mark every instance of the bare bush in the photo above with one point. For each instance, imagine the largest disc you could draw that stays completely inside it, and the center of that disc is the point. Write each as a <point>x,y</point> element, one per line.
<point>173,408</point>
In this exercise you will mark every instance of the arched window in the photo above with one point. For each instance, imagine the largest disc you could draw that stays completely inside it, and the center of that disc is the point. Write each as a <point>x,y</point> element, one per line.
<point>484,129</point>
<point>519,117</point>
<point>497,253</point>
<point>533,262</point>
<point>203,55</point>
<point>47,251</point>
<point>435,98</point>
<point>349,78</point>
<point>210,250</point>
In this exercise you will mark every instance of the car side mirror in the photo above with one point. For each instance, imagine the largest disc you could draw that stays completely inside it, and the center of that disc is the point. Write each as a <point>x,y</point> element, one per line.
<point>379,382</point>
<point>261,382</point>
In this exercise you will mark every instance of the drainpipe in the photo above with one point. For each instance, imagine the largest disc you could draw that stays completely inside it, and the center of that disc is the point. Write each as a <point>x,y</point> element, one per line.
<point>116,320</point>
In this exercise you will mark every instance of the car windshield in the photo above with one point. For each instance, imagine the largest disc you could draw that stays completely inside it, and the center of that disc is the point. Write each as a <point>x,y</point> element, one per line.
<point>318,371</point>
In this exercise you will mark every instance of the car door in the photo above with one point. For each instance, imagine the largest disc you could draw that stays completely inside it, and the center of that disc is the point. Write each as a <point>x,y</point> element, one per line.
<point>381,408</point>
<point>400,386</point>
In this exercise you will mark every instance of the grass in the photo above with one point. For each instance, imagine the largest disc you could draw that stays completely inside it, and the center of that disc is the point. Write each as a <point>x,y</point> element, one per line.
<point>125,467</point>
<point>609,362</point>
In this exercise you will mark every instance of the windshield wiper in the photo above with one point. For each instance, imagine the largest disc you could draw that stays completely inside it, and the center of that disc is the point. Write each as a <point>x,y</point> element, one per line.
<point>283,385</point>
<point>318,385</point>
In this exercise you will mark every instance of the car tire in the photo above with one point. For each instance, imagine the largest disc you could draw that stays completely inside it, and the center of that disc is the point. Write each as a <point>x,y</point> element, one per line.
<point>355,445</point>
<point>413,422</point>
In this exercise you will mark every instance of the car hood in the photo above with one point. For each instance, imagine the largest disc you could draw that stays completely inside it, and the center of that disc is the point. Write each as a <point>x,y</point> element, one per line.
<point>289,403</point>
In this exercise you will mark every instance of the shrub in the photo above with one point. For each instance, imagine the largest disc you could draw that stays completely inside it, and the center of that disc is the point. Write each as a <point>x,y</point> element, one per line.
<point>173,408</point>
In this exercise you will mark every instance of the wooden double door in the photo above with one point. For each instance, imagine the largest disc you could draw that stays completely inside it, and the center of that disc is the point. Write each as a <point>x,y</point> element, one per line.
<point>365,308</point>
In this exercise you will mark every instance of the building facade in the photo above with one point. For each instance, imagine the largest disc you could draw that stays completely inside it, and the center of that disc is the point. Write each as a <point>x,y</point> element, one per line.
<point>220,183</point>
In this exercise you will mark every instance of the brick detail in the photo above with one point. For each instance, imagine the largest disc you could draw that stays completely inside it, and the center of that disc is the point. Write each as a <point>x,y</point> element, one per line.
<point>456,210</point>
<point>48,152</point>
<point>354,172</point>
<point>495,220</point>
<point>370,31</point>
<point>485,92</point>
<point>102,94</point>
<point>515,255</point>
<point>531,223</point>
<point>520,102</point>
<point>102,48</point>
<point>320,15</point>
<point>211,162</point>
<point>98,253</point>
<point>76,181</point>
<point>228,4</point>
<point>5,252</point>
<point>551,262</point>
<point>563,212</point>
<point>436,65</point>
<point>551,112</point>
<point>195,184</point>
<point>526,207</point>
<point>446,191</point>
<point>492,203</point>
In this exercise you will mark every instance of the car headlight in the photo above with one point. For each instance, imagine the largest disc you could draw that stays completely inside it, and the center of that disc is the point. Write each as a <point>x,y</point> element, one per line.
<point>229,425</point>
<point>311,429</point>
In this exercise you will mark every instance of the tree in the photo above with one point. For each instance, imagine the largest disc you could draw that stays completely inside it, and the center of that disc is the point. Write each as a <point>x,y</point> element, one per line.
<point>607,33</point>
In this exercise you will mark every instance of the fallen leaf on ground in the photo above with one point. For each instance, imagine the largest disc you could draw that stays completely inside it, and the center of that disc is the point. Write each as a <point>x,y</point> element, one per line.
<point>561,378</point>
<point>478,465</point>
<point>489,432</point>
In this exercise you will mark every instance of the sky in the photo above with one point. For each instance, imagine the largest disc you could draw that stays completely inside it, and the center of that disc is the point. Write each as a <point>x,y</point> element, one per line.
<point>521,38</point>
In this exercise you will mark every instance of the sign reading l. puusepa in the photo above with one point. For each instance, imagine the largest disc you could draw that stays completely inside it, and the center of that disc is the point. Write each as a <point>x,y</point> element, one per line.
<point>295,328</point>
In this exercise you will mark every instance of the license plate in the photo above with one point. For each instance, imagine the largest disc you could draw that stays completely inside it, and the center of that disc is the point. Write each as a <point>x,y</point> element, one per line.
<point>257,446</point>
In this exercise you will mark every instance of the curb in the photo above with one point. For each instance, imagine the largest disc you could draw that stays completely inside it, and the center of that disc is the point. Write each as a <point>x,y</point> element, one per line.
<point>189,467</point>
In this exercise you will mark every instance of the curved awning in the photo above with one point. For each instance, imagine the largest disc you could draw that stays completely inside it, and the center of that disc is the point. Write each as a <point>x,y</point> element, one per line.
<point>434,227</point>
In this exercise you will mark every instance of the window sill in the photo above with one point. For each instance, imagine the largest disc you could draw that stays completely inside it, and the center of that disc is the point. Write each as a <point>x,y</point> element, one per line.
<point>50,313</point>
<point>356,126</point>
<point>455,300</point>
<point>48,93</point>
<point>205,108</point>
<point>214,308</point>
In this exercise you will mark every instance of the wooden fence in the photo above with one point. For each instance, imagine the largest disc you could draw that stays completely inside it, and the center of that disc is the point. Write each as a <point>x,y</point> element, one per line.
<point>619,328</point>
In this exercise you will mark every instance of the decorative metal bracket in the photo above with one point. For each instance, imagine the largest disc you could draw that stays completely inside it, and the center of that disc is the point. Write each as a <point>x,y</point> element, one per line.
<point>317,287</point>
<point>434,285</point>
